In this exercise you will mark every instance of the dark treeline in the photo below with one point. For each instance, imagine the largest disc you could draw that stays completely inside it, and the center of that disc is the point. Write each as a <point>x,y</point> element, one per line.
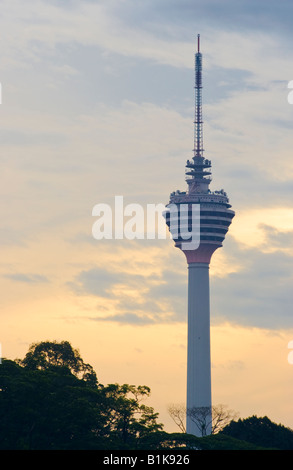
<point>52,400</point>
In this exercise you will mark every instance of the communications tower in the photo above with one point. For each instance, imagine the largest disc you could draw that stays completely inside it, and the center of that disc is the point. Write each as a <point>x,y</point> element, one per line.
<point>213,215</point>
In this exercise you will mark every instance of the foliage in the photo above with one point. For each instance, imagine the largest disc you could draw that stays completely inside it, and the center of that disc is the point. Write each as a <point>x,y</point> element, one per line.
<point>52,400</point>
<point>129,420</point>
<point>50,353</point>
<point>222,442</point>
<point>163,440</point>
<point>47,409</point>
<point>262,432</point>
<point>177,441</point>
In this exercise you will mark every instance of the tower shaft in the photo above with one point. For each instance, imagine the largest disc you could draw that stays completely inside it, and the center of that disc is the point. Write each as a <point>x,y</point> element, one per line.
<point>199,395</point>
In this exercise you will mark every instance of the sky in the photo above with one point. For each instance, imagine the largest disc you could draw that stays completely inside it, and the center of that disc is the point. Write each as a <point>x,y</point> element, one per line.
<point>98,102</point>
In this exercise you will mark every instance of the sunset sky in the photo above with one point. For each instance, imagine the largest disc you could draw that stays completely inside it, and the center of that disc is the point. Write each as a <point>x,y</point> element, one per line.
<point>98,102</point>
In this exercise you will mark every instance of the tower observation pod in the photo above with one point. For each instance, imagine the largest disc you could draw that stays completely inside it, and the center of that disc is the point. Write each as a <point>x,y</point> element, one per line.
<point>198,220</point>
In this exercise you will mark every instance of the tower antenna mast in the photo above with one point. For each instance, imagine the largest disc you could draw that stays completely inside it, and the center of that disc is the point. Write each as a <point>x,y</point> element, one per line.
<point>198,123</point>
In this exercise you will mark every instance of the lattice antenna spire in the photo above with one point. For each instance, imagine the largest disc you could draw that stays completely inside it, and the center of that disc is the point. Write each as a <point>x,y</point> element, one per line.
<point>198,123</point>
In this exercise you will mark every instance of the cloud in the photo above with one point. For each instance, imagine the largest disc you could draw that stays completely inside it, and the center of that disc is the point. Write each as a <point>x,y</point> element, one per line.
<point>127,319</point>
<point>162,32</point>
<point>277,239</point>
<point>96,281</point>
<point>134,298</point>
<point>86,23</point>
<point>259,294</point>
<point>241,16</point>
<point>26,278</point>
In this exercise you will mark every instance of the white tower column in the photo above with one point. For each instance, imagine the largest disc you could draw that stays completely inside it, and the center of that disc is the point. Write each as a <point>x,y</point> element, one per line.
<point>198,360</point>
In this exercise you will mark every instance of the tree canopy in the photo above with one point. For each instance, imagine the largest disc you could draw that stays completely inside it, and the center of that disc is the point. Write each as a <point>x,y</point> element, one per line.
<point>52,400</point>
<point>261,431</point>
<point>48,354</point>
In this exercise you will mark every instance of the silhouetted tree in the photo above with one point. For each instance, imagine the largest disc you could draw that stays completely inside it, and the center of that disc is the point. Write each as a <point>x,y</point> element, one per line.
<point>261,431</point>
<point>51,400</point>
<point>48,409</point>
<point>46,354</point>
<point>221,416</point>
<point>202,418</point>
<point>130,419</point>
<point>178,414</point>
